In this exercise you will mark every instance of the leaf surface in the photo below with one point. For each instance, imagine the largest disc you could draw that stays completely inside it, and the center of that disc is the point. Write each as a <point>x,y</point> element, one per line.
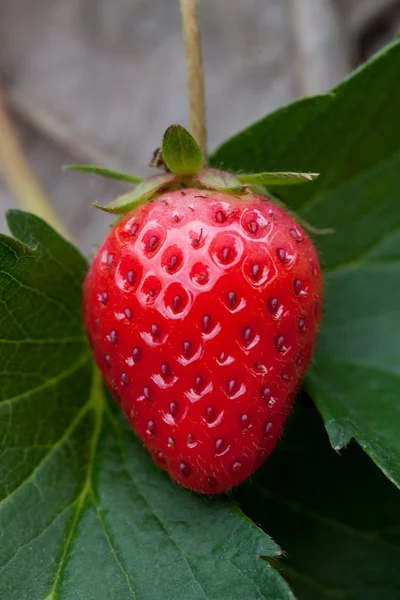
<point>180,151</point>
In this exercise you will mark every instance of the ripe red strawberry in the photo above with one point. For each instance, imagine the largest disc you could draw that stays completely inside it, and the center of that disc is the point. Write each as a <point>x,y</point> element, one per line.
<point>202,309</point>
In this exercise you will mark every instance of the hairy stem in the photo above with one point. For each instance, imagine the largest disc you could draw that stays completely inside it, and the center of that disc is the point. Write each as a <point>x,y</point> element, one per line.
<point>18,173</point>
<point>195,74</point>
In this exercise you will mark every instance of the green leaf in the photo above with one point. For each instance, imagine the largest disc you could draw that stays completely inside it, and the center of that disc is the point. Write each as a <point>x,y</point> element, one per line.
<point>276,178</point>
<point>335,515</point>
<point>356,376</point>
<point>84,511</point>
<point>217,180</point>
<point>352,137</point>
<point>141,194</point>
<point>339,135</point>
<point>180,151</point>
<point>104,172</point>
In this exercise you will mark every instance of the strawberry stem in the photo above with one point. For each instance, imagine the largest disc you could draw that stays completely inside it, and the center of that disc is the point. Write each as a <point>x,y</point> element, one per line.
<point>195,74</point>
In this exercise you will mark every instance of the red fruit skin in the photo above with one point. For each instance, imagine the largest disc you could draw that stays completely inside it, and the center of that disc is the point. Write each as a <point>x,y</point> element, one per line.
<point>202,311</point>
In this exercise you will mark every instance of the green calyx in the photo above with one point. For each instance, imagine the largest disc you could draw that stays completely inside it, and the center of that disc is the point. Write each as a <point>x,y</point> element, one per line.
<point>182,161</point>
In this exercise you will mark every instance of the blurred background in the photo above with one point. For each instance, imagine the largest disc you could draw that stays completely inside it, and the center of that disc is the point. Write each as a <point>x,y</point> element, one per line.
<point>100,80</point>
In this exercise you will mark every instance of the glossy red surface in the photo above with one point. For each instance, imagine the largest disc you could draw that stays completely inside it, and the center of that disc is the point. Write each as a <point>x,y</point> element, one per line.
<point>202,310</point>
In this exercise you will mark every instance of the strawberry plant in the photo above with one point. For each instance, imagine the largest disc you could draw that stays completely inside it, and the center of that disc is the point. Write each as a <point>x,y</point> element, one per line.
<point>199,315</point>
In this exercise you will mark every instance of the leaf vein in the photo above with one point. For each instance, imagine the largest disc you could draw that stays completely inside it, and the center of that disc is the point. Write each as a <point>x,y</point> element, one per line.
<point>97,402</point>
<point>112,549</point>
<point>48,383</point>
<point>53,448</point>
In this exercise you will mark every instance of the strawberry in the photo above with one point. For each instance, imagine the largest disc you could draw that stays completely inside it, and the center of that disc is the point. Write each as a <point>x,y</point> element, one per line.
<point>202,309</point>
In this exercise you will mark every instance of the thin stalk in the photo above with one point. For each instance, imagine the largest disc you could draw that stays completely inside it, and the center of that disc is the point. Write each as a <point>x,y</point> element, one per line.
<point>195,73</point>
